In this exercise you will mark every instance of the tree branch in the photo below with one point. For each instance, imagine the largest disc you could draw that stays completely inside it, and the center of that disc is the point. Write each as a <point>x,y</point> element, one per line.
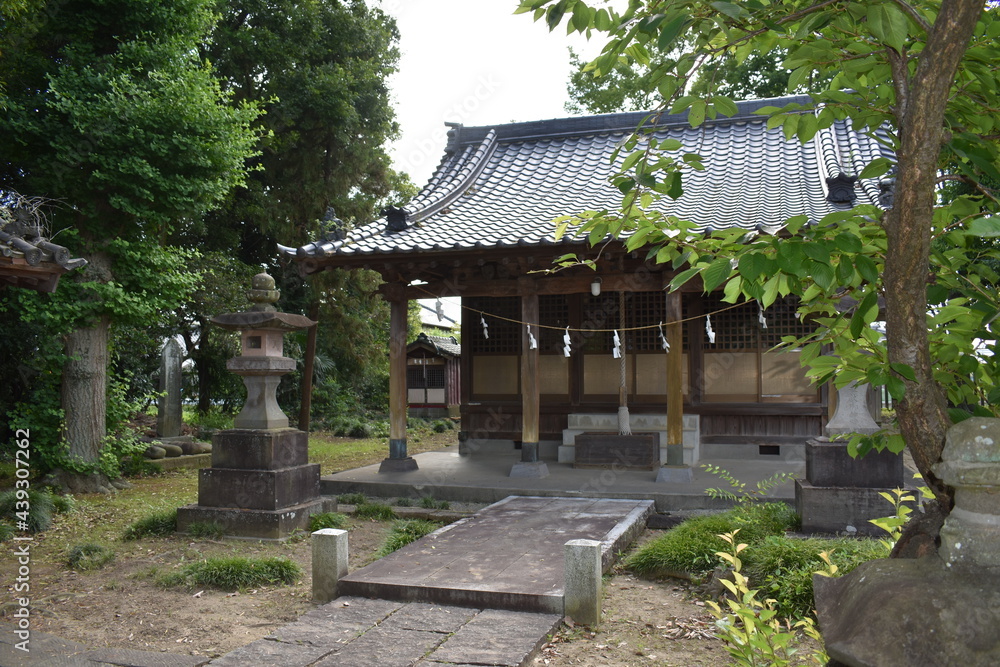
<point>912,12</point>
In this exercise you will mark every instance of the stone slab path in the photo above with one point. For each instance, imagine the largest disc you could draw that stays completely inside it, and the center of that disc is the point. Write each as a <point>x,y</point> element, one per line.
<point>362,632</point>
<point>507,556</point>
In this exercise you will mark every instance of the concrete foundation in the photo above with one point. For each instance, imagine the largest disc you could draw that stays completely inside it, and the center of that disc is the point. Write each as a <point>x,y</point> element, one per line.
<point>638,423</point>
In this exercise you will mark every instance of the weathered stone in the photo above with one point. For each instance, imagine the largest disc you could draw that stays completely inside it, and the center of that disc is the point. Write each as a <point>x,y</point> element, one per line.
<point>329,562</point>
<point>125,657</point>
<point>479,643</point>
<point>910,613</point>
<point>852,414</point>
<point>384,647</point>
<point>155,452</point>
<point>583,591</point>
<point>828,463</point>
<point>637,451</point>
<point>168,411</point>
<point>258,489</point>
<point>839,509</point>
<point>255,449</point>
<point>265,653</point>
<point>171,450</point>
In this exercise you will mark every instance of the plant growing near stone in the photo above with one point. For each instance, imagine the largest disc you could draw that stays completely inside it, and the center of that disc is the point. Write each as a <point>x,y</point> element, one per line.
<point>89,557</point>
<point>750,626</point>
<point>404,532</point>
<point>327,520</point>
<point>159,524</point>
<point>352,499</point>
<point>739,492</point>
<point>234,573</point>
<point>377,511</point>
<point>205,529</point>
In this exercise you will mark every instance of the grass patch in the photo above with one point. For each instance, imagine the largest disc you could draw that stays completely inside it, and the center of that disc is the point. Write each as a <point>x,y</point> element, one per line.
<point>37,515</point>
<point>205,529</point>
<point>691,546</point>
<point>428,502</point>
<point>234,573</point>
<point>159,524</point>
<point>353,499</point>
<point>403,532</point>
<point>377,511</point>
<point>327,520</point>
<point>89,557</point>
<point>6,532</point>
<point>782,567</point>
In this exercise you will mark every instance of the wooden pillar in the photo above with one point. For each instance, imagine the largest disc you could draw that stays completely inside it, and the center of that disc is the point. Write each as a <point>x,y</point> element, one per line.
<point>398,460</point>
<point>675,380</point>
<point>674,471</point>
<point>529,381</point>
<point>530,465</point>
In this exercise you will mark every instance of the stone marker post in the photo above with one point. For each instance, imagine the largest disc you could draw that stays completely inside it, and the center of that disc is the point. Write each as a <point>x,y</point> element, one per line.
<point>583,590</point>
<point>168,406</point>
<point>261,483</point>
<point>329,562</point>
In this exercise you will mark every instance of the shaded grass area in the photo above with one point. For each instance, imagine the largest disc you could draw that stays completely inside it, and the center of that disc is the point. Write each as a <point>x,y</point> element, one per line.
<point>778,564</point>
<point>335,454</point>
<point>404,532</point>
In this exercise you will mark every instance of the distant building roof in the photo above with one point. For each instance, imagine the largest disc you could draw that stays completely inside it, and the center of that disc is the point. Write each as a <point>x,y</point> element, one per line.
<point>445,345</point>
<point>27,258</point>
<point>501,186</point>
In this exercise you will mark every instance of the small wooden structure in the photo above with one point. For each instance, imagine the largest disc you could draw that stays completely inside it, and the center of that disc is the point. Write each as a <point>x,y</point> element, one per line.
<point>27,258</point>
<point>482,229</point>
<point>433,377</point>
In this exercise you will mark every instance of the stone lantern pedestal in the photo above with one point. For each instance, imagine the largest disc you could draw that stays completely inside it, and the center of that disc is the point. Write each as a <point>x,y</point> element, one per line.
<point>261,484</point>
<point>841,492</point>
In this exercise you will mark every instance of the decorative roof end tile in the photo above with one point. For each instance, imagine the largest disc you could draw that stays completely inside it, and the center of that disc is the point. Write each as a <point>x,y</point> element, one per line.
<point>841,189</point>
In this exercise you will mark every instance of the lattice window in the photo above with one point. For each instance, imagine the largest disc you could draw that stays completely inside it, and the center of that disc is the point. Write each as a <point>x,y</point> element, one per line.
<point>781,321</point>
<point>505,336</point>
<point>415,378</point>
<point>599,312</point>
<point>646,309</point>
<point>435,377</point>
<point>553,311</point>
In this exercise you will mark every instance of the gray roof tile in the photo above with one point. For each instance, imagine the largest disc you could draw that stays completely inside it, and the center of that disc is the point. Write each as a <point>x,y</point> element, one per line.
<point>503,185</point>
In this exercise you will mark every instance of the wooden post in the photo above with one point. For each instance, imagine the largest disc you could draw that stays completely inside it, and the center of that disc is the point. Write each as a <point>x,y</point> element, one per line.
<point>305,408</point>
<point>530,465</point>
<point>675,470</point>
<point>398,460</point>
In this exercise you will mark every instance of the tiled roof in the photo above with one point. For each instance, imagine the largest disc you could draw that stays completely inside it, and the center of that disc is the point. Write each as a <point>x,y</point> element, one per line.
<point>27,258</point>
<point>502,186</point>
<point>446,345</point>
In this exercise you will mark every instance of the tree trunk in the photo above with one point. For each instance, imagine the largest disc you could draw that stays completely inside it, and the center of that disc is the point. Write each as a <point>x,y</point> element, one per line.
<point>84,392</point>
<point>922,414</point>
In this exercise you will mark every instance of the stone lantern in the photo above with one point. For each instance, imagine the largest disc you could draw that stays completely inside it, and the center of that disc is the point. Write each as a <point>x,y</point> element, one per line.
<point>261,483</point>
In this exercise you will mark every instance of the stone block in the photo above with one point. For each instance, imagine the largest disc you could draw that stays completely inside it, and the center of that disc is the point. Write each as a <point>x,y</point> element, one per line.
<point>583,590</point>
<point>255,524</point>
<point>258,489</point>
<point>255,449</point>
<point>831,509</point>
<point>329,562</point>
<point>829,464</point>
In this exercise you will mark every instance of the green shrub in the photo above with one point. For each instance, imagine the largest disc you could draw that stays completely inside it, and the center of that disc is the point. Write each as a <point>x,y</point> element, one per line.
<point>6,532</point>
<point>327,520</point>
<point>428,502</point>
<point>353,499</point>
<point>64,504</point>
<point>378,511</point>
<point>783,566</point>
<point>38,505</point>
<point>89,557</point>
<point>360,430</point>
<point>159,524</point>
<point>440,426</point>
<point>209,529</point>
<point>403,532</point>
<point>691,547</point>
<point>404,502</point>
<point>234,573</point>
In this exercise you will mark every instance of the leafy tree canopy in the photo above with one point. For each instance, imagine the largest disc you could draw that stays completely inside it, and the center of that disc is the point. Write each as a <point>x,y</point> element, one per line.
<point>923,72</point>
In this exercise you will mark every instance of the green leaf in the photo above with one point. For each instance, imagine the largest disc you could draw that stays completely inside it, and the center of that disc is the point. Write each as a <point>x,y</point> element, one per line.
<point>716,272</point>
<point>867,268</point>
<point>905,371</point>
<point>696,116</point>
<point>848,242</point>
<point>877,167</point>
<point>751,265</point>
<point>985,227</point>
<point>864,314</point>
<point>822,275</point>
<point>729,9</point>
<point>670,32</point>
<point>683,277</point>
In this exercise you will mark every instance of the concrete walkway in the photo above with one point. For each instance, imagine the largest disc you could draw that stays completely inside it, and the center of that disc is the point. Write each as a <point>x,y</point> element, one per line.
<point>507,556</point>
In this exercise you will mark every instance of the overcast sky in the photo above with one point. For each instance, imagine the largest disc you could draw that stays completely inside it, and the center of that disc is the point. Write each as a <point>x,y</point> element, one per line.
<point>475,63</point>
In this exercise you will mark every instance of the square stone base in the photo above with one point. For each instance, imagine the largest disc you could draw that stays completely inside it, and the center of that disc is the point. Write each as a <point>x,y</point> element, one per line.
<point>258,489</point>
<point>254,524</point>
<point>831,509</point>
